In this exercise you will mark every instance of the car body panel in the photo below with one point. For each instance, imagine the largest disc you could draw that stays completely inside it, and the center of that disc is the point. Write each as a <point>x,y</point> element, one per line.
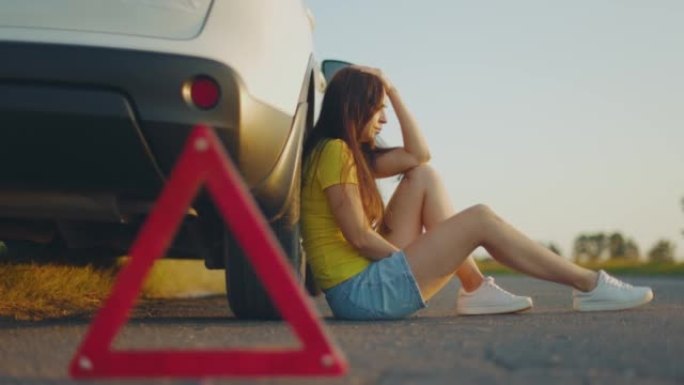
<point>167,19</point>
<point>260,54</point>
<point>259,39</point>
<point>149,107</point>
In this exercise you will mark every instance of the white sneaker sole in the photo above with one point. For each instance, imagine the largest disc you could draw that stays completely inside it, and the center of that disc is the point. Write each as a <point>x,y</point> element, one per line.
<point>608,306</point>
<point>495,309</point>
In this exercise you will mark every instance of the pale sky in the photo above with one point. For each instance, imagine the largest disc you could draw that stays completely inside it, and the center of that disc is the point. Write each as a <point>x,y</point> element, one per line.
<point>564,117</point>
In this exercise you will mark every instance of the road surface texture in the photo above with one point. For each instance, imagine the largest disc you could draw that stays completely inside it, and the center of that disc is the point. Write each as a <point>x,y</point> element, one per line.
<point>549,345</point>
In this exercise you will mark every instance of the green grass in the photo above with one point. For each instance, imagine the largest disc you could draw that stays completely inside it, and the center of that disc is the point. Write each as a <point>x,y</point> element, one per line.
<point>637,268</point>
<point>490,266</point>
<point>178,278</point>
<point>37,292</point>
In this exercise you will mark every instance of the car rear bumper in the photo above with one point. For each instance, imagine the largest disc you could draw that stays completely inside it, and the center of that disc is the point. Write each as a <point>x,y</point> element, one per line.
<point>69,139</point>
<point>107,125</point>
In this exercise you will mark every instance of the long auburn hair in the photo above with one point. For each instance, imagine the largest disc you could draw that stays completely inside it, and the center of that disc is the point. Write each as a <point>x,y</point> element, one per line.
<point>351,98</point>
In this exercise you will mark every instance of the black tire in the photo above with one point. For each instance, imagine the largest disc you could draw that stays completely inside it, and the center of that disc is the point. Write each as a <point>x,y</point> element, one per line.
<point>246,296</point>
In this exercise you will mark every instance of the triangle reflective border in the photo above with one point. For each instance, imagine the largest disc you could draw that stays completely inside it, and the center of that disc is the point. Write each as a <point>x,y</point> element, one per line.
<point>205,162</point>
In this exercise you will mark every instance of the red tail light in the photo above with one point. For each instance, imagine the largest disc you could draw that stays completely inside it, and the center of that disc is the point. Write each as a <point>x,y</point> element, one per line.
<point>202,92</point>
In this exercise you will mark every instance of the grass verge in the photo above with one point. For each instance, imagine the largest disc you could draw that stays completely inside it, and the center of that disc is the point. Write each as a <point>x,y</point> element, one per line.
<point>490,266</point>
<point>37,292</point>
<point>181,278</point>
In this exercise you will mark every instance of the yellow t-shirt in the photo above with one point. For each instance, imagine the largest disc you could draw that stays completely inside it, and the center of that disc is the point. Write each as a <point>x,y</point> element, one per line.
<point>332,259</point>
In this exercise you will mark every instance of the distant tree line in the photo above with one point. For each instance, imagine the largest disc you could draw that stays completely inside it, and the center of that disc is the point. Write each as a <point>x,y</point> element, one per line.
<point>601,246</point>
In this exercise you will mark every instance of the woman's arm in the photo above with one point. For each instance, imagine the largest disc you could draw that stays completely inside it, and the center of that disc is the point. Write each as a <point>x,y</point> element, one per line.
<point>415,150</point>
<point>345,203</point>
<point>414,141</point>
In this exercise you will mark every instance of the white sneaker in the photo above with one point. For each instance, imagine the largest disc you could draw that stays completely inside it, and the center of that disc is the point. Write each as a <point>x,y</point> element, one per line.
<point>489,298</point>
<point>611,294</point>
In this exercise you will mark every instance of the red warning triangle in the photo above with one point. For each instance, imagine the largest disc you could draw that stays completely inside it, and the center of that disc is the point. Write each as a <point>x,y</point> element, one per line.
<point>204,161</point>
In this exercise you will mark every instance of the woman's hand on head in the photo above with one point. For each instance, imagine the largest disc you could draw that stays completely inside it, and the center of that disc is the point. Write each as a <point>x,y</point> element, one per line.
<point>377,72</point>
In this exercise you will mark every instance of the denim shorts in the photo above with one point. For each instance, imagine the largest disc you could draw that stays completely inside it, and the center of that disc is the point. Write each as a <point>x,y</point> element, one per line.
<point>386,289</point>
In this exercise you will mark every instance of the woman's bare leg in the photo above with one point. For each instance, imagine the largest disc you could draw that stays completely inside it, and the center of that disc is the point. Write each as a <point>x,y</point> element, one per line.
<point>439,252</point>
<point>420,201</point>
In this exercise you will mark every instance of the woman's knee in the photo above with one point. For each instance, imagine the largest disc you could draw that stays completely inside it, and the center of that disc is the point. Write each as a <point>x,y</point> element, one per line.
<point>482,214</point>
<point>481,209</point>
<point>473,225</point>
<point>423,173</point>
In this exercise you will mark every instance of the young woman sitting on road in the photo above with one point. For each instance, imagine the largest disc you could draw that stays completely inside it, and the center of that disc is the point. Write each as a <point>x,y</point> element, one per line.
<point>384,263</point>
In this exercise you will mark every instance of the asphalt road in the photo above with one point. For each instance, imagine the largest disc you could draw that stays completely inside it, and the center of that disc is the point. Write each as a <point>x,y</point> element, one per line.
<point>549,345</point>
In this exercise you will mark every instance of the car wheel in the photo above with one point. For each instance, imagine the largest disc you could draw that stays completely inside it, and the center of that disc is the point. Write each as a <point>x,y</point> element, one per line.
<point>246,295</point>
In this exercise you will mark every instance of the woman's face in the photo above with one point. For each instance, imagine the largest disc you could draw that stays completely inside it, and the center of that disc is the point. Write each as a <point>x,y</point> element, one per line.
<point>374,125</point>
